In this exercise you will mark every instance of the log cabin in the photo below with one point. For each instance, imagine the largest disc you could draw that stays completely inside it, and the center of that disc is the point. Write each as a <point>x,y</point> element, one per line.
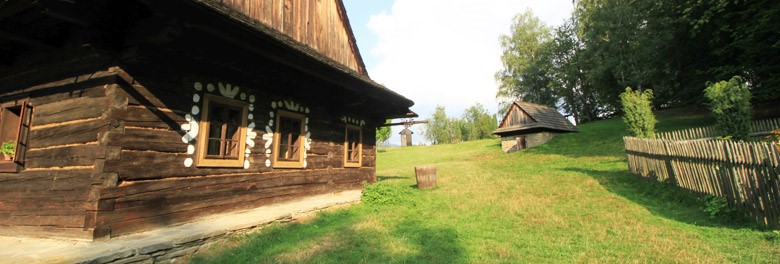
<point>527,125</point>
<point>132,115</point>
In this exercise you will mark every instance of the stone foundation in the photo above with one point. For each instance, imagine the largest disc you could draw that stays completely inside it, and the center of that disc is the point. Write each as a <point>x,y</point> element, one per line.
<point>509,143</point>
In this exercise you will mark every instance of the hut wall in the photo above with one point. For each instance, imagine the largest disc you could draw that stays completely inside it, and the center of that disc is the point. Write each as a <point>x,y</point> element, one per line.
<point>55,194</point>
<point>536,139</point>
<point>509,142</point>
<point>158,183</point>
<point>515,117</point>
<point>318,24</point>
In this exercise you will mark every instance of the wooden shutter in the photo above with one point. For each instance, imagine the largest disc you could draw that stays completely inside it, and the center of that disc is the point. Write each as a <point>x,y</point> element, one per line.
<point>25,119</point>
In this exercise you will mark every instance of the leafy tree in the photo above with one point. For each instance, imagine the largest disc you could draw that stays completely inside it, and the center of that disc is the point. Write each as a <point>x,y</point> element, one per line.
<point>638,112</point>
<point>478,123</point>
<point>730,102</point>
<point>673,46</point>
<point>437,130</point>
<point>521,49</point>
<point>383,133</point>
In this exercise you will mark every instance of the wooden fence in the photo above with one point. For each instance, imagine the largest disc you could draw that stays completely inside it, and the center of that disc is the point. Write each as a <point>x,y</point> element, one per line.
<point>746,173</point>
<point>757,128</point>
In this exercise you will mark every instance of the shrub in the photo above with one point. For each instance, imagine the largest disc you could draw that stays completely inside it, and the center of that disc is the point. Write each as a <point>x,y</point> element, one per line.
<point>730,102</point>
<point>716,206</point>
<point>381,194</point>
<point>638,112</point>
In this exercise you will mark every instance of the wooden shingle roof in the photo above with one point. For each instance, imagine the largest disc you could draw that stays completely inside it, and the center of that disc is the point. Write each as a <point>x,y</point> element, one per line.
<point>544,117</point>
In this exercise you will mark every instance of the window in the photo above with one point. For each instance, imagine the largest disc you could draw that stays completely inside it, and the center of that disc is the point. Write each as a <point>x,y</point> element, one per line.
<point>353,146</point>
<point>223,138</point>
<point>15,120</point>
<point>288,140</point>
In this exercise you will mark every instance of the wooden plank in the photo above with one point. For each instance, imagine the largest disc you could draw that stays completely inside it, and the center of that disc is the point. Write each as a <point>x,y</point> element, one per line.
<point>69,110</point>
<point>39,182</point>
<point>46,232</point>
<point>65,221</point>
<point>223,205</point>
<point>77,133</point>
<point>72,155</point>
<point>160,140</point>
<point>143,116</point>
<point>163,205</point>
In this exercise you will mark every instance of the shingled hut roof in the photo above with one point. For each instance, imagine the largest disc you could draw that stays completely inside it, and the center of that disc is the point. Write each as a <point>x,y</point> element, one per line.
<point>544,117</point>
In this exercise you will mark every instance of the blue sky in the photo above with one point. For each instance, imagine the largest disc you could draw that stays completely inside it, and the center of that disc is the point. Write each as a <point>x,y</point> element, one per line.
<point>440,52</point>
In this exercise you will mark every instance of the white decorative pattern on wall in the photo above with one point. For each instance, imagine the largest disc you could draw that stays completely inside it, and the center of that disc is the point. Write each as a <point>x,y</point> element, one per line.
<point>269,129</point>
<point>191,128</point>
<point>353,121</point>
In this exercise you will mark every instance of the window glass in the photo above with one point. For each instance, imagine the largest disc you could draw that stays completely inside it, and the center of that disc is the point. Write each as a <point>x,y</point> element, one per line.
<point>353,146</point>
<point>290,136</point>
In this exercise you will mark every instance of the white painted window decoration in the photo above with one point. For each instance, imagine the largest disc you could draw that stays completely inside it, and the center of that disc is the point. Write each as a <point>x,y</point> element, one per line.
<point>220,126</point>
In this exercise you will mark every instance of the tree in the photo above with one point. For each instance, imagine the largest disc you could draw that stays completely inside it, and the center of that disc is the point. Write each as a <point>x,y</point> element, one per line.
<point>638,112</point>
<point>478,123</point>
<point>730,102</point>
<point>437,129</point>
<point>383,133</point>
<point>521,50</point>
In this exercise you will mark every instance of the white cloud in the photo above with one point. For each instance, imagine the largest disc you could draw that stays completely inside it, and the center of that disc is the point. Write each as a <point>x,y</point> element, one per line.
<point>445,52</point>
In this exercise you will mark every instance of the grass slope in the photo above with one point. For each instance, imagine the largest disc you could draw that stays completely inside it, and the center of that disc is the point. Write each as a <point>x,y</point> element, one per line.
<point>570,200</point>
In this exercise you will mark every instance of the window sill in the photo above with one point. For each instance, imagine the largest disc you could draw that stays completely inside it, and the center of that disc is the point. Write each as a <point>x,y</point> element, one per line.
<point>221,163</point>
<point>352,165</point>
<point>9,166</point>
<point>288,165</point>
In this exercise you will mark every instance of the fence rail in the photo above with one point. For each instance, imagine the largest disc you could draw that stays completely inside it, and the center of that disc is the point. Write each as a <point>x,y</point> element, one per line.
<point>756,128</point>
<point>746,173</point>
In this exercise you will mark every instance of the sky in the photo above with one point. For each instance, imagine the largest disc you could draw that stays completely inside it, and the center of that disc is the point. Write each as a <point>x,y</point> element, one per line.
<point>440,52</point>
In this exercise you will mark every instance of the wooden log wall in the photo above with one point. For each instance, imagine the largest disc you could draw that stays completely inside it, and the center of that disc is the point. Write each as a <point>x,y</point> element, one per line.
<point>156,189</point>
<point>316,23</point>
<point>746,173</point>
<point>56,193</point>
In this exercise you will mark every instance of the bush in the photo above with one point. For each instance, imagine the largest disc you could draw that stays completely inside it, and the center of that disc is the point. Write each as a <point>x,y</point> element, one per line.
<point>638,112</point>
<point>381,194</point>
<point>730,102</point>
<point>716,206</point>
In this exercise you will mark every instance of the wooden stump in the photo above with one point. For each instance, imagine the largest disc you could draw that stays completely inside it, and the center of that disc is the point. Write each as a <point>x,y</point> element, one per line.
<point>426,176</point>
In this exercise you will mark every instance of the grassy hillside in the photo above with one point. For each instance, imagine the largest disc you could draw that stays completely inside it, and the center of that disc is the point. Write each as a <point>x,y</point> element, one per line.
<point>570,200</point>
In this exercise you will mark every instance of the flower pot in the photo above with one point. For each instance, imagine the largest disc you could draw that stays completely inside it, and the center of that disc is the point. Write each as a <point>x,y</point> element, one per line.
<point>7,157</point>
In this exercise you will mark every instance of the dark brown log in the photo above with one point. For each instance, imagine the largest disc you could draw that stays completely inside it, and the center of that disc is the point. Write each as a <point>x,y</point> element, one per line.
<point>69,110</point>
<point>142,116</point>
<point>148,139</point>
<point>42,181</point>
<point>78,132</point>
<point>73,155</point>
<point>219,206</point>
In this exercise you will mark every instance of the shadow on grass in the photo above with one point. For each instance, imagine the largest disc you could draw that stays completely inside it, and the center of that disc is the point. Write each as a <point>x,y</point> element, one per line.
<point>664,200</point>
<point>339,237</point>
<point>384,178</point>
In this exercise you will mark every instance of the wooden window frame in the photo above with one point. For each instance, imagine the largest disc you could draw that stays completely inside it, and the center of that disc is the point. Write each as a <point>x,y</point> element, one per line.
<point>23,126</point>
<point>201,159</point>
<point>285,164</point>
<point>347,162</point>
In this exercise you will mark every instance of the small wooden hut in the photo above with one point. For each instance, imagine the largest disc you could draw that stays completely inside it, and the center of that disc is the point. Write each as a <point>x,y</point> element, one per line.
<point>406,137</point>
<point>130,115</point>
<point>526,125</point>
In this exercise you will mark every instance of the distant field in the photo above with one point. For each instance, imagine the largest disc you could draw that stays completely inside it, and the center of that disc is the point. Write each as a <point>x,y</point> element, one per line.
<point>571,200</point>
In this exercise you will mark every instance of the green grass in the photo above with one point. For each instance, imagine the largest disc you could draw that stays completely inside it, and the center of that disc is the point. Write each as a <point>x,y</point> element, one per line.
<point>570,200</point>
